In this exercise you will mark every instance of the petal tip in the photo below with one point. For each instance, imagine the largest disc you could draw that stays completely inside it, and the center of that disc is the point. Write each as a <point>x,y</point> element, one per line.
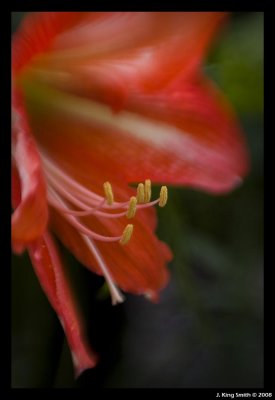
<point>81,364</point>
<point>152,296</point>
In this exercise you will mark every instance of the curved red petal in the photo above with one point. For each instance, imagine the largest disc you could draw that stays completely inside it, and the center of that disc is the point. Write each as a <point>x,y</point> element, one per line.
<point>52,277</point>
<point>36,34</point>
<point>169,45</point>
<point>191,137</point>
<point>30,216</point>
<point>186,134</point>
<point>92,54</point>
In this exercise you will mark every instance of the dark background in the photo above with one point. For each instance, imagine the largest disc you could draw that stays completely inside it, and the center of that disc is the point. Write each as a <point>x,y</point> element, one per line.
<point>207,330</point>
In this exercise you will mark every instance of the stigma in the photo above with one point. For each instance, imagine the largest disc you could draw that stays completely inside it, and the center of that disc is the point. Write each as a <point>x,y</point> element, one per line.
<point>72,200</point>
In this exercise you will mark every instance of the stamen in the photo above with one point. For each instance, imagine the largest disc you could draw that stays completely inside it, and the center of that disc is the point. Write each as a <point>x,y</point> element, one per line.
<point>132,207</point>
<point>83,213</point>
<point>147,191</point>
<point>140,193</point>
<point>147,205</point>
<point>163,196</point>
<point>54,186</point>
<point>82,228</point>
<point>52,169</point>
<point>108,193</point>
<point>127,233</point>
<point>80,192</point>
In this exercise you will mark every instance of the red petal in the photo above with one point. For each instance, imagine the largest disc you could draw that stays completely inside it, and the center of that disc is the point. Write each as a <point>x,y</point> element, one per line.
<point>161,47</point>
<point>93,53</point>
<point>30,217</point>
<point>138,267</point>
<point>36,33</point>
<point>52,277</point>
<point>196,141</point>
<point>15,187</point>
<point>186,134</point>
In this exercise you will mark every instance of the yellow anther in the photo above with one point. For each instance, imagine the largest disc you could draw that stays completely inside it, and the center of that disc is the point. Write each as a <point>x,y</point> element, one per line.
<point>163,196</point>
<point>127,233</point>
<point>132,207</point>
<point>147,191</point>
<point>140,193</point>
<point>108,193</point>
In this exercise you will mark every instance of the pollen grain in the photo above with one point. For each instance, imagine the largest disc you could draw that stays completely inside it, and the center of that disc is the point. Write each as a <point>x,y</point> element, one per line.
<point>127,233</point>
<point>132,207</point>
<point>140,193</point>
<point>108,193</point>
<point>147,191</point>
<point>163,196</point>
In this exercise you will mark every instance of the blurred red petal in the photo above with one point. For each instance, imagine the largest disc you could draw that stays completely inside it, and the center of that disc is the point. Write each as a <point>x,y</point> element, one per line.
<point>52,277</point>
<point>36,34</point>
<point>15,187</point>
<point>184,135</point>
<point>196,140</point>
<point>169,44</point>
<point>93,54</point>
<point>30,216</point>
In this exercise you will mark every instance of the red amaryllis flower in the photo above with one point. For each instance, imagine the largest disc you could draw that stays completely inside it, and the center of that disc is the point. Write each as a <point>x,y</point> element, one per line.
<point>120,98</point>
